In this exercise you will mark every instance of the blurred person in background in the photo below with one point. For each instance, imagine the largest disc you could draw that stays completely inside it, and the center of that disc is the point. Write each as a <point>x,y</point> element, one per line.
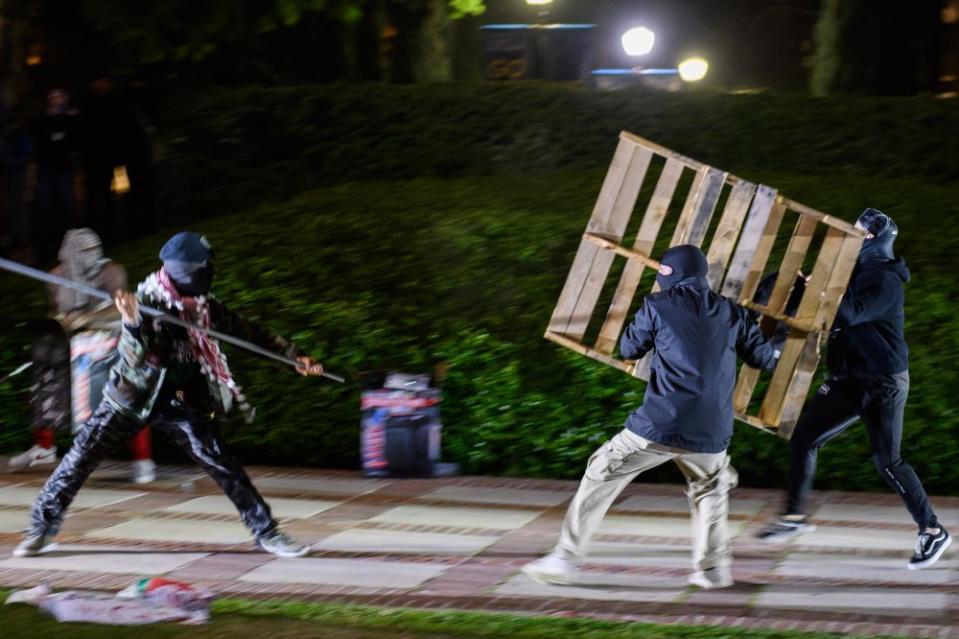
<point>100,149</point>
<point>115,137</point>
<point>73,354</point>
<point>16,149</point>
<point>56,144</point>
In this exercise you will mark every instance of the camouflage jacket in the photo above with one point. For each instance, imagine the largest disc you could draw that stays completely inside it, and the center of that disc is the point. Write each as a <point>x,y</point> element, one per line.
<point>147,350</point>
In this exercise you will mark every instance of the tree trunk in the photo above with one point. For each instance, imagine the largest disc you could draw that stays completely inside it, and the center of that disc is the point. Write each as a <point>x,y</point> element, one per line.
<point>366,41</point>
<point>466,50</point>
<point>885,47</point>
<point>421,51</point>
<point>12,52</point>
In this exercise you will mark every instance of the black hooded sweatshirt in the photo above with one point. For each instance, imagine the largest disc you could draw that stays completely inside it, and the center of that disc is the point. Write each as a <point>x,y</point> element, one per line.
<point>695,335</point>
<point>867,336</point>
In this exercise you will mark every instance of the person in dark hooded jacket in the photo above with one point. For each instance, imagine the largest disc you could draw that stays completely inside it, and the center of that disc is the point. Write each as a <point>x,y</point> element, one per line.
<point>686,417</point>
<point>868,363</point>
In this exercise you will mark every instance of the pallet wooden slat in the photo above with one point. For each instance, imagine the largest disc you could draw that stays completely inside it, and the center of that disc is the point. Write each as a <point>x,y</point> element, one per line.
<point>724,239</point>
<point>630,254</point>
<point>592,353</point>
<point>771,409</point>
<point>692,227</point>
<point>700,206</point>
<point>748,376</point>
<point>610,217</point>
<point>795,254</point>
<point>656,212</point>
<point>748,249</point>
<point>760,255</point>
<point>819,216</point>
<point>824,290</point>
<point>791,322</point>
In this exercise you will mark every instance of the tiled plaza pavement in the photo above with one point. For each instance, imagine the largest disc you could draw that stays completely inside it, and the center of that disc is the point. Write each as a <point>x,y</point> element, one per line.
<point>460,542</point>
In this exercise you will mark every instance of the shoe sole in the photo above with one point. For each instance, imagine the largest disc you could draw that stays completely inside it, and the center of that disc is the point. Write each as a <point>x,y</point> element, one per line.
<point>17,468</point>
<point>781,539</point>
<point>287,555</point>
<point>710,586</point>
<point>547,579</point>
<point>928,562</point>
<point>33,553</point>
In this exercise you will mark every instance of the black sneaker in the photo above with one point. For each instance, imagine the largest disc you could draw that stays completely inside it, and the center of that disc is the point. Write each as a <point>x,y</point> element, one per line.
<point>929,549</point>
<point>781,530</point>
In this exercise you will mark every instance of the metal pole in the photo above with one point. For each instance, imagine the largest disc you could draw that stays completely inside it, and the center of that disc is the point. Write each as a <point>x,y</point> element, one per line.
<point>32,273</point>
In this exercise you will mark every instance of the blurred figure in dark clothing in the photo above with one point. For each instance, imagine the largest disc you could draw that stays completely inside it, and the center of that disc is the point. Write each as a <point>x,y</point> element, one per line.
<point>15,150</point>
<point>100,150</point>
<point>115,135</point>
<point>140,161</point>
<point>56,149</point>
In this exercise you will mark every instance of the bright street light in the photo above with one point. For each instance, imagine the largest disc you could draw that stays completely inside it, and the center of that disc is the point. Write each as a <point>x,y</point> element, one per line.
<point>638,41</point>
<point>693,69</point>
<point>539,2</point>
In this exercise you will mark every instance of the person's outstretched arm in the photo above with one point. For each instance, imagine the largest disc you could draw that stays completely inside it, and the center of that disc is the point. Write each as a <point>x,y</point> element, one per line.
<point>234,324</point>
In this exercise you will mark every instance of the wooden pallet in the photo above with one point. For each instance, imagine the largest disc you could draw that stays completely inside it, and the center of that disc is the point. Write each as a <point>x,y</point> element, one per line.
<point>742,243</point>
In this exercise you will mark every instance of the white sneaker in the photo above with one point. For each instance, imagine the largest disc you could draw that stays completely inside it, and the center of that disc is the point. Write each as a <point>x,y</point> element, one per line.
<point>554,568</point>
<point>34,544</point>
<point>144,471</point>
<point>36,456</point>
<point>711,578</point>
<point>282,545</point>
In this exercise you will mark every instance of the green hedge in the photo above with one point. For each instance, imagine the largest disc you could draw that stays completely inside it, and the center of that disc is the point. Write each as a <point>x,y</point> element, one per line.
<point>408,274</point>
<point>227,146</point>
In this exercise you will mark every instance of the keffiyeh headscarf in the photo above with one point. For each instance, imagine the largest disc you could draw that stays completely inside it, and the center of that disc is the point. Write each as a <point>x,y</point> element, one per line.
<point>81,259</point>
<point>195,309</point>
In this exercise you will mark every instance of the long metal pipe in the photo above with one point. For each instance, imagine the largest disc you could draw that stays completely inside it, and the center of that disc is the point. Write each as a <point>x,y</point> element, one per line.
<point>36,274</point>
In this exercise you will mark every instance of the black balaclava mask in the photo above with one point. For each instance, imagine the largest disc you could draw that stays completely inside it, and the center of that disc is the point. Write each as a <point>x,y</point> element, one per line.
<point>191,280</point>
<point>686,261</point>
<point>885,232</point>
<point>188,260</point>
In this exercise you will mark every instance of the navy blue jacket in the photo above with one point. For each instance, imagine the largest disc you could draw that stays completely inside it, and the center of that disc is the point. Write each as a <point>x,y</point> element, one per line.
<point>867,335</point>
<point>695,335</point>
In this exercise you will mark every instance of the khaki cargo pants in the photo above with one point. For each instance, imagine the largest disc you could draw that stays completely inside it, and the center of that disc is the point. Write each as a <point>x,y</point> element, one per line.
<point>617,462</point>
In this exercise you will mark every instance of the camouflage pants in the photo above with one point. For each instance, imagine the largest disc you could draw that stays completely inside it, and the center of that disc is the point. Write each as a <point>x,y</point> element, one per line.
<point>107,430</point>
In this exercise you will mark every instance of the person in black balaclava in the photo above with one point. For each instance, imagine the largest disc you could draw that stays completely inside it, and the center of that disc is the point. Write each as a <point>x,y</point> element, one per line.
<point>686,417</point>
<point>179,380</point>
<point>868,379</point>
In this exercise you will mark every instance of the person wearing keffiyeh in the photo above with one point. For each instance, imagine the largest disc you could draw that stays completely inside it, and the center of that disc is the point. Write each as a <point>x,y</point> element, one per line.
<point>73,352</point>
<point>180,381</point>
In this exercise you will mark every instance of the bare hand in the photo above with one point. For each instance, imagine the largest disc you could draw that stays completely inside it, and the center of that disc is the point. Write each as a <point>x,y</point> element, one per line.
<point>129,307</point>
<point>309,367</point>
